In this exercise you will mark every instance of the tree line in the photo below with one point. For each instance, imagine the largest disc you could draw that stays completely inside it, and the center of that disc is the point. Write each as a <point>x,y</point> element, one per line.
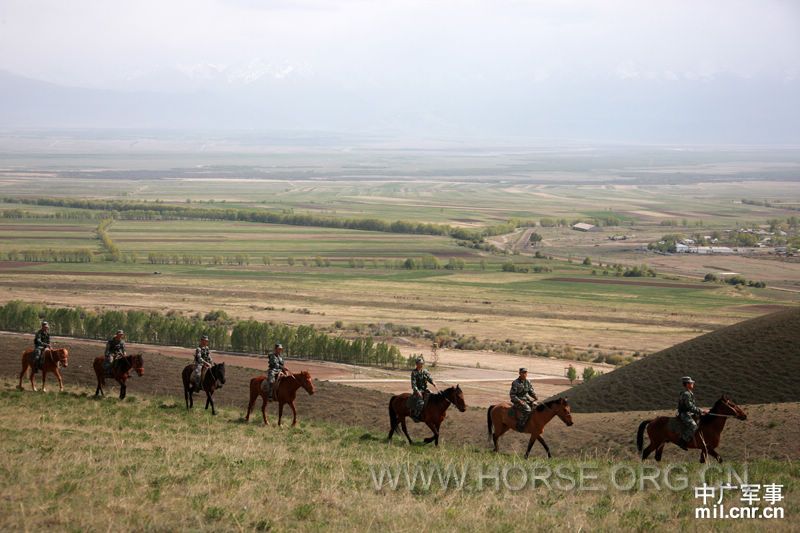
<point>79,255</point>
<point>175,330</point>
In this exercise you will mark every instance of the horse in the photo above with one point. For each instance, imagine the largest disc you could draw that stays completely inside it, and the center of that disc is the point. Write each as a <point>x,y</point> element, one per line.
<point>433,414</point>
<point>213,379</point>
<point>285,390</point>
<point>706,438</point>
<point>120,371</point>
<point>52,360</point>
<point>499,421</point>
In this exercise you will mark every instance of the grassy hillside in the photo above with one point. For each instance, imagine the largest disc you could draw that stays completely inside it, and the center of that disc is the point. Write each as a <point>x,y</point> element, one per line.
<point>755,361</point>
<point>72,463</point>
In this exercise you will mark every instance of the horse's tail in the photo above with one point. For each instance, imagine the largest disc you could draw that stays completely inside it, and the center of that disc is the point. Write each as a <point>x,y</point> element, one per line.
<point>489,420</point>
<point>640,435</point>
<point>392,415</point>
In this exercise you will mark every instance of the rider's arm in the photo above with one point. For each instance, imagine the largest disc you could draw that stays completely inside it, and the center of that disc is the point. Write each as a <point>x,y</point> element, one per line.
<point>414,388</point>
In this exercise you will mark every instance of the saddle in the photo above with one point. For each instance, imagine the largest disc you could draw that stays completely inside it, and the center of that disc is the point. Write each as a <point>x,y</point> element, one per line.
<point>675,424</point>
<point>520,416</point>
<point>265,387</point>
<point>411,405</point>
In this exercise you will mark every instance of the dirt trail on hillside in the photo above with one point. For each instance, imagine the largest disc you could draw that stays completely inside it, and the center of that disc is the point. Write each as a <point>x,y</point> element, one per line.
<point>772,431</point>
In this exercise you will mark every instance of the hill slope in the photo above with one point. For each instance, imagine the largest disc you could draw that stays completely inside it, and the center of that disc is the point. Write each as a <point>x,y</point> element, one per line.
<point>756,361</point>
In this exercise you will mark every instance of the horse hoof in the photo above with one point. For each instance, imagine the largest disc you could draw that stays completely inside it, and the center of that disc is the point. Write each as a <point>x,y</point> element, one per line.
<point>20,387</point>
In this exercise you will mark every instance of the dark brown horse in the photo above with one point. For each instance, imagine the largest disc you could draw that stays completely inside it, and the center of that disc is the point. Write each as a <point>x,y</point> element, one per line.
<point>52,360</point>
<point>706,439</point>
<point>212,379</point>
<point>433,414</point>
<point>120,371</point>
<point>499,421</point>
<point>286,392</point>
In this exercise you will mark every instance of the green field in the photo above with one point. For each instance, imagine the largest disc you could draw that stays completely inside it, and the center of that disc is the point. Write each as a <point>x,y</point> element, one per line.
<point>149,464</point>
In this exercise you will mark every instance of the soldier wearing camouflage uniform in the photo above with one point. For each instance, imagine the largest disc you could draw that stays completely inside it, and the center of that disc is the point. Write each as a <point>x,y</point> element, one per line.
<point>522,398</point>
<point>687,409</point>
<point>40,343</point>
<point>202,358</point>
<point>420,378</point>
<point>275,369</point>
<point>115,347</point>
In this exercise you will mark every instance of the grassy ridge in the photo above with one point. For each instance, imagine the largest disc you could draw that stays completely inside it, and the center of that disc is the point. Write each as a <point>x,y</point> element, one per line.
<point>147,464</point>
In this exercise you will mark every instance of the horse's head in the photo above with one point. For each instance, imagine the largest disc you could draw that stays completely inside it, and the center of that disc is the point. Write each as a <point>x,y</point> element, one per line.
<point>456,396</point>
<point>137,363</point>
<point>219,373</point>
<point>726,406</point>
<point>63,356</point>
<point>305,380</point>
<point>563,412</point>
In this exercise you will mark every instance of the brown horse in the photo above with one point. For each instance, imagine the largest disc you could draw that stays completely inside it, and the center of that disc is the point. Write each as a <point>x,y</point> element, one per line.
<point>433,414</point>
<point>499,420</point>
<point>706,439</point>
<point>52,360</point>
<point>212,379</point>
<point>120,371</point>
<point>286,392</point>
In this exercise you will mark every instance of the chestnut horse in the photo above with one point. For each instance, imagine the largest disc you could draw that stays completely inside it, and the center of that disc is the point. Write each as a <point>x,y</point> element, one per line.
<point>51,361</point>
<point>120,371</point>
<point>433,414</point>
<point>286,393</point>
<point>498,418</point>
<point>212,379</point>
<point>706,439</point>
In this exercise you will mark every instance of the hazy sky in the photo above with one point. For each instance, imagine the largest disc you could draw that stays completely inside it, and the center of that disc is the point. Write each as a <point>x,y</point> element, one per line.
<point>437,53</point>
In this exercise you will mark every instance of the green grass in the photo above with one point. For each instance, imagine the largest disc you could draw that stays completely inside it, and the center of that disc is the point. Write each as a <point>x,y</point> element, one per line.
<point>70,462</point>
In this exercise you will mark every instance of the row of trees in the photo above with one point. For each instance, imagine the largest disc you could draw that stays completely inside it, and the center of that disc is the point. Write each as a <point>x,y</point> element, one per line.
<point>158,211</point>
<point>80,255</point>
<point>176,330</point>
<point>57,215</point>
<point>113,252</point>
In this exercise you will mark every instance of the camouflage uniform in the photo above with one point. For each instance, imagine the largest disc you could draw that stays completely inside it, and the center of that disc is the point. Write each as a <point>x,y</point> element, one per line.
<point>40,342</point>
<point>114,348</point>
<point>202,357</point>
<point>522,397</point>
<point>687,408</point>
<point>419,387</point>
<point>274,370</point>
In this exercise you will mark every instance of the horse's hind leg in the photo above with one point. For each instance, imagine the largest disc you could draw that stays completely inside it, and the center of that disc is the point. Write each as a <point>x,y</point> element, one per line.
<point>405,429</point>
<point>659,452</point>
<point>21,374</point>
<point>280,412</point>
<point>497,434</point>
<point>433,438</point>
<point>264,409</point>
<point>715,455</point>
<point>33,379</point>
<point>650,449</point>
<point>44,380</point>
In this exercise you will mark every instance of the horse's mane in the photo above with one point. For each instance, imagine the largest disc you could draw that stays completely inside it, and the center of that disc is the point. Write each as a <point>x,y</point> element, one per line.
<point>714,409</point>
<point>441,395</point>
<point>543,406</point>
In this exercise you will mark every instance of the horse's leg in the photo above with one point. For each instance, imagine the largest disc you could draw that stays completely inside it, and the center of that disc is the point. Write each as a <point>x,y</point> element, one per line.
<point>252,401</point>
<point>123,391</point>
<point>659,452</point>
<point>498,432</point>
<point>24,369</point>
<point>60,380</point>
<point>44,380</point>
<point>264,408</point>
<point>33,378</point>
<point>211,400</point>
<point>531,442</point>
<point>294,413</point>
<point>544,445</point>
<point>649,449</point>
<point>715,455</point>
<point>405,429</point>
<point>435,435</point>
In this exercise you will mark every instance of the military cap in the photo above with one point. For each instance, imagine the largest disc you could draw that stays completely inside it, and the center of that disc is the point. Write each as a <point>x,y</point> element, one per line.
<point>44,323</point>
<point>521,370</point>
<point>686,379</point>
<point>419,360</point>
<point>120,332</point>
<point>204,338</point>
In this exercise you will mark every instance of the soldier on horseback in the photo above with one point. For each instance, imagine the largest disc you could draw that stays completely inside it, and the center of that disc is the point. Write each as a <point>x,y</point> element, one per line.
<point>115,348</point>
<point>420,378</point>
<point>41,342</point>
<point>687,410</point>
<point>522,398</point>
<point>275,369</point>
<point>202,359</point>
